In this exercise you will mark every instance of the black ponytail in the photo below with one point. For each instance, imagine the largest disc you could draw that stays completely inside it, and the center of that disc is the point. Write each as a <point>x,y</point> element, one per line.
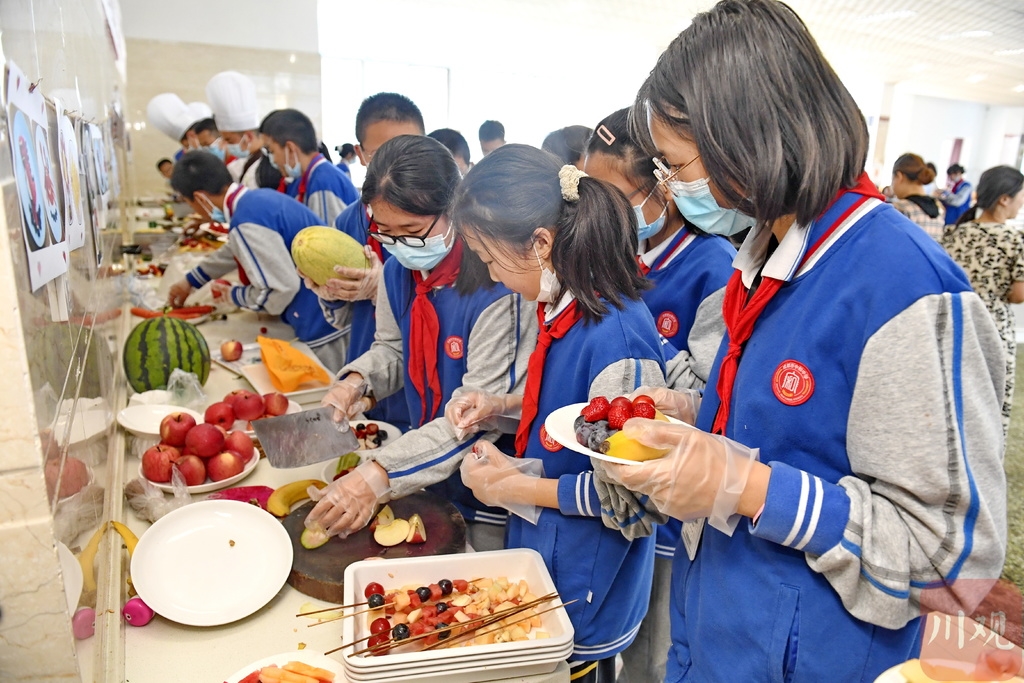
<point>994,184</point>
<point>968,216</point>
<point>515,189</point>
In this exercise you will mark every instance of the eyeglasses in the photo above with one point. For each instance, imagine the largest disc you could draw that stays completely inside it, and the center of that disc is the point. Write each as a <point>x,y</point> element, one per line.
<point>663,172</point>
<point>408,240</point>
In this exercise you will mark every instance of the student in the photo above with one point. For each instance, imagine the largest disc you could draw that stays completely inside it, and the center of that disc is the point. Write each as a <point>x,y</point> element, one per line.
<point>480,339</point>
<point>292,147</point>
<point>232,98</point>
<point>262,224</point>
<point>348,302</point>
<point>957,195</point>
<point>347,152</point>
<point>165,166</point>
<point>492,136</point>
<point>457,145</point>
<point>688,269</point>
<point>858,364</point>
<point>569,242</point>
<point>568,144</point>
<point>910,175</point>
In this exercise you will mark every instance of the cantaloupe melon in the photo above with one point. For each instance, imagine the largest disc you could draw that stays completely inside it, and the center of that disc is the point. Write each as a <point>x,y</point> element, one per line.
<point>317,249</point>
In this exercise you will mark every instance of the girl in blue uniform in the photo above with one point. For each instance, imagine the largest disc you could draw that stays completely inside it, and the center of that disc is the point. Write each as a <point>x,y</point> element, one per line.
<point>442,328</point>
<point>569,242</point>
<point>688,269</point>
<point>858,367</point>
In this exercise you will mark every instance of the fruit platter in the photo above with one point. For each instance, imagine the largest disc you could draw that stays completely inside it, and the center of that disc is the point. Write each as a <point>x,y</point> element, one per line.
<point>302,667</point>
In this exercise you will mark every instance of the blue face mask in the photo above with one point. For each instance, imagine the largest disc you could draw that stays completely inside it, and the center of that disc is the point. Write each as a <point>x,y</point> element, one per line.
<point>699,206</point>
<point>236,150</point>
<point>215,151</point>
<point>291,170</point>
<point>647,230</point>
<point>421,258</point>
<point>216,214</point>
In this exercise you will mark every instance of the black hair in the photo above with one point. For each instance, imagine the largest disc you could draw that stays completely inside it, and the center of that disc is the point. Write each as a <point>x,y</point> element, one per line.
<point>955,168</point>
<point>994,184</point>
<point>568,144</point>
<point>612,137</point>
<point>266,175</point>
<point>914,168</point>
<point>934,170</point>
<point>491,130</point>
<point>418,175</point>
<point>290,125</point>
<point>346,150</point>
<point>386,106</point>
<point>326,152</point>
<point>204,125</point>
<point>163,161</point>
<point>516,189</point>
<point>801,140</point>
<point>453,140</point>
<point>199,171</point>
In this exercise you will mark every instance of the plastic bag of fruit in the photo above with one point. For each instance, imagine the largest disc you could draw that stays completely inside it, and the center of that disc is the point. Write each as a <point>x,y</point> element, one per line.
<point>184,389</point>
<point>149,502</point>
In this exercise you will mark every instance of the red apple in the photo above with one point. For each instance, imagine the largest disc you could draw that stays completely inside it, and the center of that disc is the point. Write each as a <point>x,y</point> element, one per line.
<point>192,469</point>
<point>231,350</point>
<point>224,465</point>
<point>240,443</point>
<point>235,395</point>
<point>249,407</point>
<point>74,478</point>
<point>156,462</point>
<point>275,404</point>
<point>220,414</point>
<point>205,440</point>
<point>174,427</point>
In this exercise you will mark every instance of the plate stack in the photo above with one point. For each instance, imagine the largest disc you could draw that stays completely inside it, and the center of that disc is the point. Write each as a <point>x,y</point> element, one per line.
<point>467,664</point>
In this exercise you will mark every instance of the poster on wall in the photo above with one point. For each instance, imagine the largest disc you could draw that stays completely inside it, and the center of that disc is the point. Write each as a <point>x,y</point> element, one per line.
<point>36,178</point>
<point>71,177</point>
<point>97,201</point>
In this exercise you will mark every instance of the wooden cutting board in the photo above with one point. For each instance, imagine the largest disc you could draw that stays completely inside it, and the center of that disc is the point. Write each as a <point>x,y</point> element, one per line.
<point>320,573</point>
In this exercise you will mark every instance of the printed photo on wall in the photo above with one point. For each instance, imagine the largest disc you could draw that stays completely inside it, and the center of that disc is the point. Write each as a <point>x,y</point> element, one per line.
<point>71,178</point>
<point>36,178</point>
<point>94,169</point>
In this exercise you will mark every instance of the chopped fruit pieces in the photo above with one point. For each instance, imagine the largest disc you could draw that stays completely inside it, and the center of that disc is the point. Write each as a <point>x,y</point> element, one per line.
<point>596,410</point>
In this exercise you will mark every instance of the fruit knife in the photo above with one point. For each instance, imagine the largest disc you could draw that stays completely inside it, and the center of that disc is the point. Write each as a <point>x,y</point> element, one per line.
<point>304,438</point>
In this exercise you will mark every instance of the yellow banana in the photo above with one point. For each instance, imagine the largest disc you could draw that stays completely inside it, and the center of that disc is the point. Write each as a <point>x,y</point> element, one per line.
<point>281,500</point>
<point>127,535</point>
<point>87,558</point>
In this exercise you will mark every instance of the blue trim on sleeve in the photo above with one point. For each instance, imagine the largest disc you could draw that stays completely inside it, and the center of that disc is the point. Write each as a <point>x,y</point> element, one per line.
<point>197,278</point>
<point>817,509</point>
<point>441,458</point>
<point>519,327</point>
<point>853,548</point>
<point>569,500</point>
<point>903,595</point>
<point>958,400</point>
<point>238,296</point>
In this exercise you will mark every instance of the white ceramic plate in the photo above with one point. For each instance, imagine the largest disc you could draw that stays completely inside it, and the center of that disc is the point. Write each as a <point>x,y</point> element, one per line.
<point>293,408</point>
<point>208,486</point>
<point>559,426</point>
<point>211,562</point>
<point>90,421</point>
<point>144,420</point>
<point>332,465</point>
<point>71,570</point>
<point>305,656</point>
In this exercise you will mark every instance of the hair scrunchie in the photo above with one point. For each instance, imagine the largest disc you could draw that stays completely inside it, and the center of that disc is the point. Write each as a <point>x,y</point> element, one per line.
<point>569,178</point>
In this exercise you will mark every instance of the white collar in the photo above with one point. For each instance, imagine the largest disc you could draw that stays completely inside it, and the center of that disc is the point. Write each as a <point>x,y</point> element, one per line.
<point>551,311</point>
<point>651,255</point>
<point>231,201</point>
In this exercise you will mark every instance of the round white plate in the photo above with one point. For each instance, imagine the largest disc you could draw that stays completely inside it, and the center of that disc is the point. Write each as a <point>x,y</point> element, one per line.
<point>559,426</point>
<point>305,656</point>
<point>892,675</point>
<point>293,407</point>
<point>71,570</point>
<point>332,465</point>
<point>211,562</point>
<point>91,419</point>
<point>144,420</point>
<point>208,486</point>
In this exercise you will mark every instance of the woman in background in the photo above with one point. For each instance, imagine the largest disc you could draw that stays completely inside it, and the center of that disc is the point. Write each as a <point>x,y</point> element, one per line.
<point>909,176</point>
<point>568,144</point>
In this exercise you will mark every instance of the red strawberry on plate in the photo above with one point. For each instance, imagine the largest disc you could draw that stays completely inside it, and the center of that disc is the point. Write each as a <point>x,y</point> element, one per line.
<point>643,398</point>
<point>623,401</point>
<point>617,416</point>
<point>596,410</point>
<point>644,410</point>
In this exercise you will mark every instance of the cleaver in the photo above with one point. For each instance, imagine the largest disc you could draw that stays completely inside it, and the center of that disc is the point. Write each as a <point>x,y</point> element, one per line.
<point>304,438</point>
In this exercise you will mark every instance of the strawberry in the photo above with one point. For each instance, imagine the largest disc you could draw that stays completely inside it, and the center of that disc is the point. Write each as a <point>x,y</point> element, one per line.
<point>624,402</point>
<point>596,410</point>
<point>617,416</point>
<point>644,410</point>
<point>643,398</point>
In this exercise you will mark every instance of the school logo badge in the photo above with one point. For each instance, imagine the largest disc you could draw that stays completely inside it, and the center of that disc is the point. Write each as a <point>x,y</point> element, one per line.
<point>453,347</point>
<point>668,324</point>
<point>792,383</point>
<point>547,442</point>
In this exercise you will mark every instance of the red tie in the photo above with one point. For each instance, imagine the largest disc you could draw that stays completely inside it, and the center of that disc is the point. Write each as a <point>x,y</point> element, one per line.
<point>371,228</point>
<point>558,328</point>
<point>424,330</point>
<point>740,315</point>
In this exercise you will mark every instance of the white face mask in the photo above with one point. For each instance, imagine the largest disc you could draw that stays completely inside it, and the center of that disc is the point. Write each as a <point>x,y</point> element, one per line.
<point>548,281</point>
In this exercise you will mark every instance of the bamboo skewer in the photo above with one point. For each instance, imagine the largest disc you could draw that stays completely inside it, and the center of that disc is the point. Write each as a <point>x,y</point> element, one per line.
<point>366,602</point>
<point>346,616</point>
<point>463,637</point>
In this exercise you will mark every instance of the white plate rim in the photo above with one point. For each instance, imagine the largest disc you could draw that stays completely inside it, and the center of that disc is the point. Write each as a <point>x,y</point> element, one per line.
<point>125,413</point>
<point>562,419</point>
<point>272,533</point>
<point>305,656</point>
<point>209,486</point>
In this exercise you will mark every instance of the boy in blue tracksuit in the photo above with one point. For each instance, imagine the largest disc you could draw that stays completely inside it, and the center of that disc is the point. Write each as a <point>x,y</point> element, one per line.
<point>263,224</point>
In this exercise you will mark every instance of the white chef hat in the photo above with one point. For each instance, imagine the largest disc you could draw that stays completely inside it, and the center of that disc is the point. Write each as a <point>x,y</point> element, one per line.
<point>200,111</point>
<point>170,115</point>
<point>232,97</point>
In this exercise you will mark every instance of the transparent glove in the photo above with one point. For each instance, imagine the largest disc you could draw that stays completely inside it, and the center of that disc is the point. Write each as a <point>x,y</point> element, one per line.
<point>681,404</point>
<point>348,397</point>
<point>178,293</point>
<point>703,475</point>
<point>502,481</point>
<point>220,290</point>
<point>478,411</point>
<point>348,503</point>
<point>352,284</point>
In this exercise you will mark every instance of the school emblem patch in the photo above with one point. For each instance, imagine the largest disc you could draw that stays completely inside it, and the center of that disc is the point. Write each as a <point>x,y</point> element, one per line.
<point>547,442</point>
<point>668,324</point>
<point>453,347</point>
<point>792,383</point>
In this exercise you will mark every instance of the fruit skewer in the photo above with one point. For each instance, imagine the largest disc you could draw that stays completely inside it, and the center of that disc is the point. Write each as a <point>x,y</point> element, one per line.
<point>346,616</point>
<point>463,637</point>
<point>367,602</point>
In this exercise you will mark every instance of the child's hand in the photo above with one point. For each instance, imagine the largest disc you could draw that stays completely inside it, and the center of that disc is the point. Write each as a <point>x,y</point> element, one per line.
<point>178,293</point>
<point>472,411</point>
<point>499,480</point>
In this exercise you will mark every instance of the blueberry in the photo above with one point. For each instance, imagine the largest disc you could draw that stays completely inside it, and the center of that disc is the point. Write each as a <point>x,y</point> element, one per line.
<point>580,421</point>
<point>442,607</point>
<point>594,441</point>
<point>382,435</point>
<point>443,631</point>
<point>400,632</point>
<point>376,600</point>
<point>424,593</point>
<point>446,586</point>
<point>376,440</point>
<point>360,426</point>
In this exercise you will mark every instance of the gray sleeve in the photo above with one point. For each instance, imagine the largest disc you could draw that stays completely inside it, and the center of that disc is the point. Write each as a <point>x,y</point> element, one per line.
<point>498,351</point>
<point>268,264</point>
<point>927,500</point>
<point>383,364</point>
<point>690,369</point>
<point>337,313</point>
<point>220,262</point>
<point>325,204</point>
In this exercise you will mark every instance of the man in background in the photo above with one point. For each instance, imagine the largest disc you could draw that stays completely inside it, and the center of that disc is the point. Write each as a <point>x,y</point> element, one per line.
<point>457,145</point>
<point>492,136</point>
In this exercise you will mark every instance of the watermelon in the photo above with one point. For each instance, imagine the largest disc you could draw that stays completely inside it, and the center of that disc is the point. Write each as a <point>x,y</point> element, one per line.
<point>158,345</point>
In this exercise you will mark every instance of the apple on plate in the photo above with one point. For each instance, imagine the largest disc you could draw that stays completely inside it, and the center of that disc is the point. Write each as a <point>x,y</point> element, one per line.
<point>231,350</point>
<point>156,462</point>
<point>275,404</point>
<point>174,427</point>
<point>205,440</point>
<point>240,443</point>
<point>249,407</point>
<point>220,414</point>
<point>224,465</point>
<point>417,531</point>
<point>233,396</point>
<point>192,469</point>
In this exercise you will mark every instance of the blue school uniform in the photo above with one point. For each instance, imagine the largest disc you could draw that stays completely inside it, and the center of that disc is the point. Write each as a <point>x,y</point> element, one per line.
<point>324,189</point>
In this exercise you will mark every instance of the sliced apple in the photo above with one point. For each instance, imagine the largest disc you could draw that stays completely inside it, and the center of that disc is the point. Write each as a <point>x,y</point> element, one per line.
<point>391,534</point>
<point>311,539</point>
<point>385,517</point>
<point>417,532</point>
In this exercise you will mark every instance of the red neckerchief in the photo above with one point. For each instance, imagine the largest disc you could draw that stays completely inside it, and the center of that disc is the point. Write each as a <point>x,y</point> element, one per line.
<point>740,314</point>
<point>659,262</point>
<point>424,329</point>
<point>558,328</point>
<point>372,227</point>
<point>230,201</point>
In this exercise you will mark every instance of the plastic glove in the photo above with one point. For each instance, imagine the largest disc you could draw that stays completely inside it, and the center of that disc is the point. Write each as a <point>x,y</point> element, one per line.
<point>680,404</point>
<point>352,284</point>
<point>178,293</point>
<point>476,411</point>
<point>502,481</point>
<point>703,475</point>
<point>348,503</point>
<point>348,397</point>
<point>221,290</point>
